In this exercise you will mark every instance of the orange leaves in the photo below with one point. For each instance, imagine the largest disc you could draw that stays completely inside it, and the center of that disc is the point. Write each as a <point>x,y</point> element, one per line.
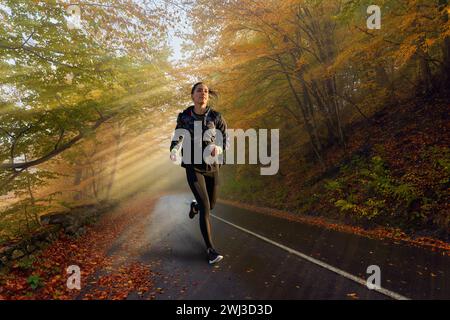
<point>353,296</point>
<point>119,283</point>
<point>300,63</point>
<point>102,276</point>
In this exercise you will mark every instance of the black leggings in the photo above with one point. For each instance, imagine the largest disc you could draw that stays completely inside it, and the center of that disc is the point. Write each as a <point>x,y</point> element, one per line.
<point>204,186</point>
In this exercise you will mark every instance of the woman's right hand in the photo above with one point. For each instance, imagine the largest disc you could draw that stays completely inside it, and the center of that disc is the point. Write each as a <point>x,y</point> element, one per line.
<point>173,155</point>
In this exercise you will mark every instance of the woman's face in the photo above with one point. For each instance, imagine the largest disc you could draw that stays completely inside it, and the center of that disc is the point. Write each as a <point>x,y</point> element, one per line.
<point>200,95</point>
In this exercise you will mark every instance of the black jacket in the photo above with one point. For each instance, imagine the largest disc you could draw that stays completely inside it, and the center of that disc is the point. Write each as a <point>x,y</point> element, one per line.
<point>211,120</point>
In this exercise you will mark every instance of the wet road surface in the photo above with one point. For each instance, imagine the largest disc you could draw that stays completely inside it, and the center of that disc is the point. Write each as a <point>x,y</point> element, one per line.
<point>262,259</point>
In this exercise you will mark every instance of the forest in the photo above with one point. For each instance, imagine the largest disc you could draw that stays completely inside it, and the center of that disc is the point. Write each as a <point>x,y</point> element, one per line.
<point>89,97</point>
<point>363,113</point>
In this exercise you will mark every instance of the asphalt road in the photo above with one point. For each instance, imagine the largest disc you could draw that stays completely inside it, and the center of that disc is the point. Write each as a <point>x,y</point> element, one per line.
<point>272,258</point>
<point>268,257</point>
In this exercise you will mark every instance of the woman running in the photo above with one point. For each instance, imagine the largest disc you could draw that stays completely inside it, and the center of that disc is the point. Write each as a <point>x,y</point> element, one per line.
<point>203,178</point>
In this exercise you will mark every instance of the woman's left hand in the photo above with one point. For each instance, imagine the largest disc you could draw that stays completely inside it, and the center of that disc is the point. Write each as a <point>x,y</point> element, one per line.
<point>216,150</point>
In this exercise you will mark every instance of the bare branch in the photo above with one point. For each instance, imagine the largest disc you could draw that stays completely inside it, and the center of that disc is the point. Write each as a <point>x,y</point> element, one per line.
<point>56,151</point>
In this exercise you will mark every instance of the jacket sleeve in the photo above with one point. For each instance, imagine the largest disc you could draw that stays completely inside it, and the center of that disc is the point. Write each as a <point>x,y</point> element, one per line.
<point>222,126</point>
<point>177,143</point>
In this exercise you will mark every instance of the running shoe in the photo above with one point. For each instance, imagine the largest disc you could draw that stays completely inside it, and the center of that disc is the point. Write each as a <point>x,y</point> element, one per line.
<point>194,209</point>
<point>213,256</point>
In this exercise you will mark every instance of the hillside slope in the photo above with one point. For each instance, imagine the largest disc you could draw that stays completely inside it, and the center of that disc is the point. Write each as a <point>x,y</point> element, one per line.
<point>394,173</point>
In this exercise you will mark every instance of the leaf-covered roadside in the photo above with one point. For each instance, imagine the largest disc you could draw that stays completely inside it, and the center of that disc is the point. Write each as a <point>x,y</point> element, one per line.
<point>103,276</point>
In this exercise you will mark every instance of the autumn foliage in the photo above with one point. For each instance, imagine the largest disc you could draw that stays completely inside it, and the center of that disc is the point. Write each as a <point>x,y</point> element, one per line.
<point>363,139</point>
<point>105,274</point>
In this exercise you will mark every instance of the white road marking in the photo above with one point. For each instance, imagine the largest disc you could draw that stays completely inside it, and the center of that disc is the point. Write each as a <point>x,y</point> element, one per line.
<point>322,264</point>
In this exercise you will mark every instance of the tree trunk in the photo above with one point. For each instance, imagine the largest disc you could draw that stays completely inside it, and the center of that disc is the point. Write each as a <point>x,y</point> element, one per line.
<point>315,144</point>
<point>425,81</point>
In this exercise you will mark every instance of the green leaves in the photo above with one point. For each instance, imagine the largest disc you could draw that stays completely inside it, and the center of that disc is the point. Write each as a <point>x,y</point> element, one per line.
<point>333,185</point>
<point>344,205</point>
<point>35,281</point>
<point>59,86</point>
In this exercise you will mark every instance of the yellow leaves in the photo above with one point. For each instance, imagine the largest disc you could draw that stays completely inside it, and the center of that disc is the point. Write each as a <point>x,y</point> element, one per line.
<point>118,89</point>
<point>404,54</point>
<point>301,62</point>
<point>94,95</point>
<point>114,90</point>
<point>319,72</point>
<point>430,42</point>
<point>446,33</point>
